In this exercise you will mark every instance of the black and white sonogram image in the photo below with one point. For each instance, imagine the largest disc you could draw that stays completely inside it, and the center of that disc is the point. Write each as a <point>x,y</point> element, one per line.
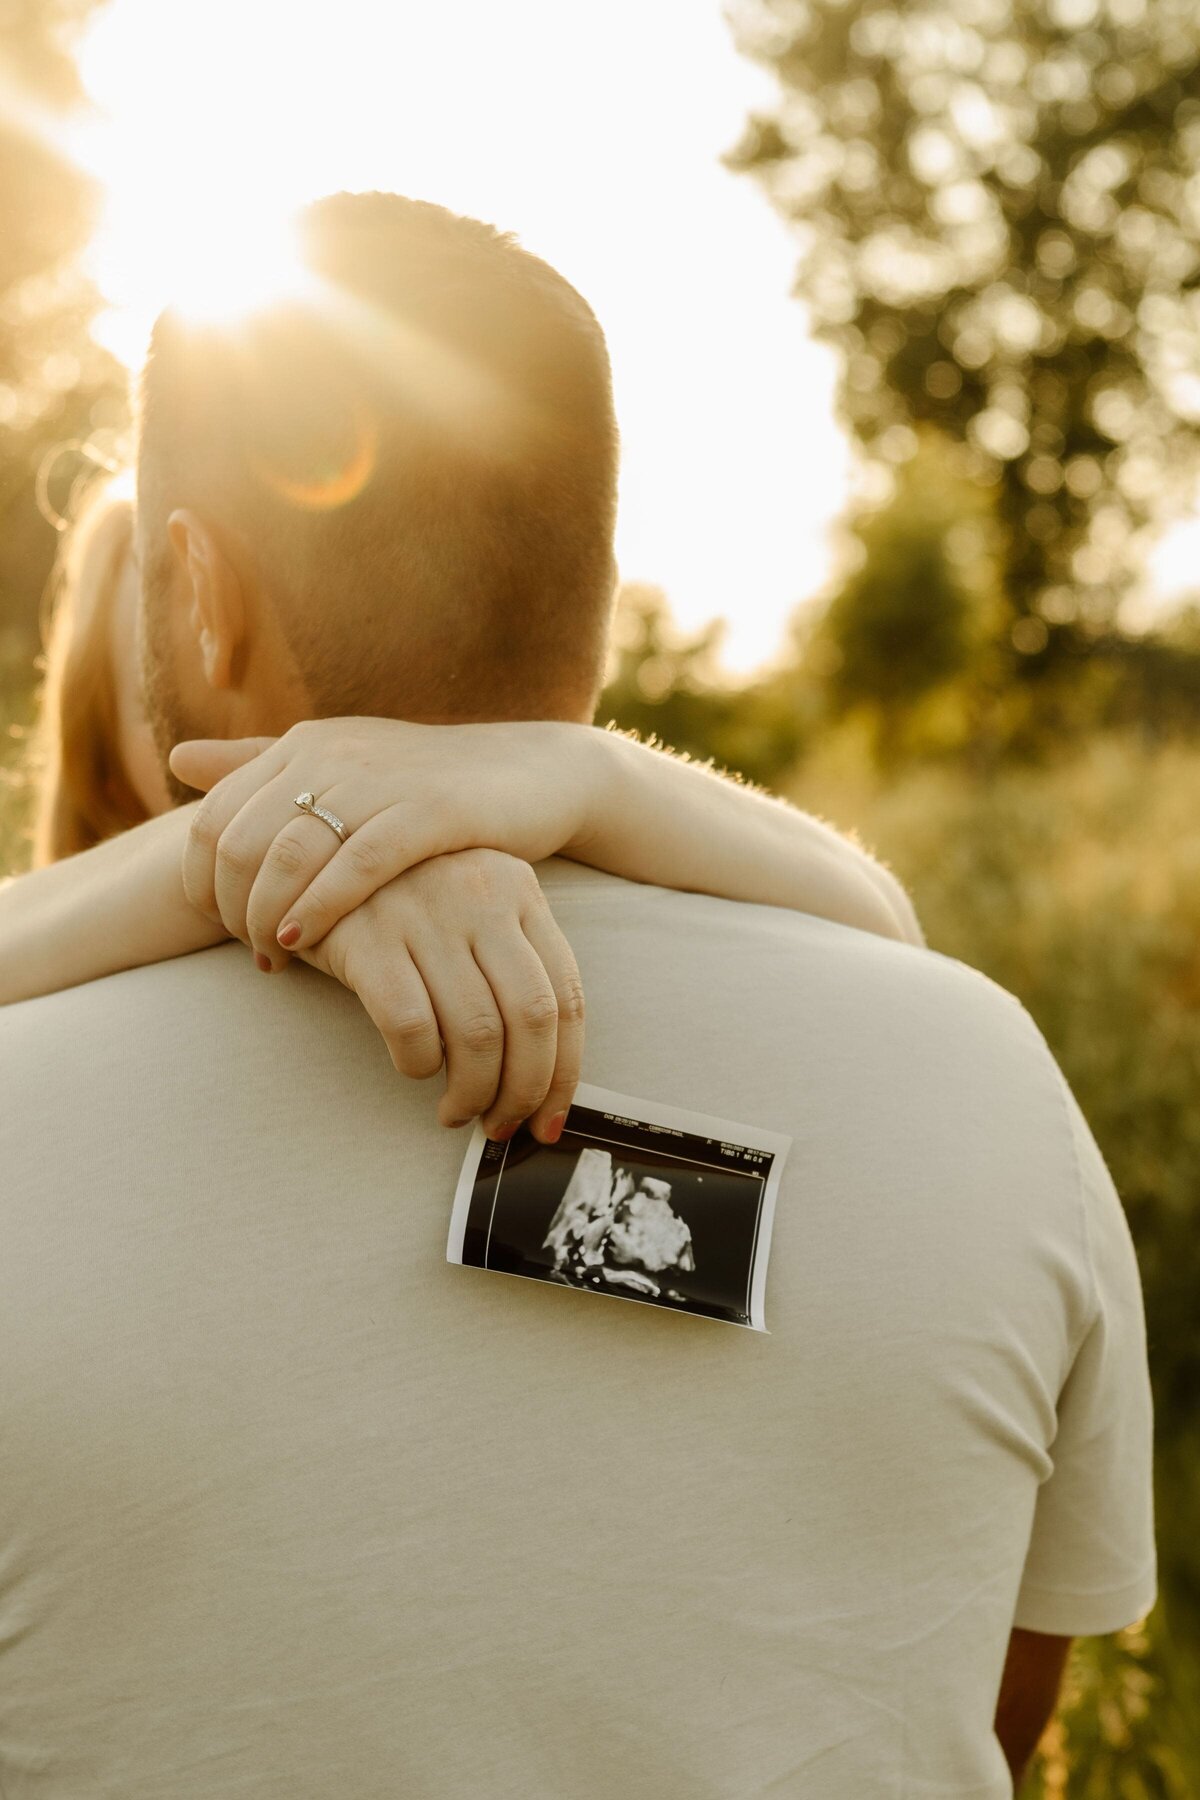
<point>636,1200</point>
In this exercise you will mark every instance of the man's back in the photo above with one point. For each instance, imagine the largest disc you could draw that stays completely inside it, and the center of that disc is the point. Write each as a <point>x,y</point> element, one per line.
<point>289,1505</point>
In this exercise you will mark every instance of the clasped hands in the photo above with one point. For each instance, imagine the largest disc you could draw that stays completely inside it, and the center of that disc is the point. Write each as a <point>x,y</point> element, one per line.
<point>430,911</point>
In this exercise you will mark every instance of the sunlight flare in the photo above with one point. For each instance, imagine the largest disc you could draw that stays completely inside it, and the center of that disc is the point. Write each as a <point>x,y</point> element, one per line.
<point>208,119</point>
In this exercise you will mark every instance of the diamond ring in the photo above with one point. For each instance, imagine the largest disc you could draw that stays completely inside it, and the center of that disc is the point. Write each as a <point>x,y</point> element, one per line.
<point>308,803</point>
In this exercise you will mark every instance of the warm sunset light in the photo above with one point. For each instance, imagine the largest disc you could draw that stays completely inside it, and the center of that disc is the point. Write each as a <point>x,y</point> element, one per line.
<point>211,119</point>
<point>734,468</point>
<point>405,912</point>
<point>257,265</point>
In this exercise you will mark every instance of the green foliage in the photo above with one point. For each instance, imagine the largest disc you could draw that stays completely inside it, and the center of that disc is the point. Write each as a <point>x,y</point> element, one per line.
<point>665,685</point>
<point>995,201</point>
<point>915,638</point>
<point>919,648</point>
<point>901,623</point>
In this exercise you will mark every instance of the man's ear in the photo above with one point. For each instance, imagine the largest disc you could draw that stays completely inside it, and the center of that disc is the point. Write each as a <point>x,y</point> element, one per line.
<point>216,603</point>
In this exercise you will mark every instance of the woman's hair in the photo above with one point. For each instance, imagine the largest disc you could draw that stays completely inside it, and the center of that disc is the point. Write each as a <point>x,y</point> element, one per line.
<point>84,793</point>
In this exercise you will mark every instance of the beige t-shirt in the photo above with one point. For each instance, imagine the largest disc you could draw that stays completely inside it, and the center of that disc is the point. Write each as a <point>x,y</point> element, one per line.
<point>290,1506</point>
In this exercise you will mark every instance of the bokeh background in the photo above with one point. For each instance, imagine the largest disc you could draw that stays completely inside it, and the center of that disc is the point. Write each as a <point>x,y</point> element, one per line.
<point>904,307</point>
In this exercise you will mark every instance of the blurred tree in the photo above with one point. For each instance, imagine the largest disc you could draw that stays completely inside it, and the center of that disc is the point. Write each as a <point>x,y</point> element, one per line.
<point>998,206</point>
<point>55,383</point>
<point>917,650</point>
<point>915,636</point>
<point>663,684</point>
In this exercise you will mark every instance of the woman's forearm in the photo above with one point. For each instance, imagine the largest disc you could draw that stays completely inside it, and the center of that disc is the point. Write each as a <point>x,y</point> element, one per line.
<point>110,908</point>
<point>659,819</point>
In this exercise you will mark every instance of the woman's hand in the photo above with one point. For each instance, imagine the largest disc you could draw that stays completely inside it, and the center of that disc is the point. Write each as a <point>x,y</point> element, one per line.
<point>274,875</point>
<point>533,788</point>
<point>464,950</point>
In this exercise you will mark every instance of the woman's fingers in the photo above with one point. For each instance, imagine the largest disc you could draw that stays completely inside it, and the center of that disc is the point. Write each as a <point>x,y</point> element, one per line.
<point>524,995</point>
<point>245,843</point>
<point>297,854</point>
<point>373,855</point>
<point>499,987</point>
<point>398,1003</point>
<point>214,815</point>
<point>201,762</point>
<point>471,1027</point>
<point>558,959</point>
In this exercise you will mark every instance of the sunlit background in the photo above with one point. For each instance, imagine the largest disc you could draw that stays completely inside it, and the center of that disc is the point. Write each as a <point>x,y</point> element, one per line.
<point>903,300</point>
<point>600,146</point>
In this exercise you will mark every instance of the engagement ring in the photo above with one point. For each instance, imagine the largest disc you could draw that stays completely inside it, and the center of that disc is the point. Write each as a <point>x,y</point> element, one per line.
<point>308,803</point>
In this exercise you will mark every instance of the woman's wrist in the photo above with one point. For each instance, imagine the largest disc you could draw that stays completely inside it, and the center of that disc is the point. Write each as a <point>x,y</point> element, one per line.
<point>599,760</point>
<point>658,818</point>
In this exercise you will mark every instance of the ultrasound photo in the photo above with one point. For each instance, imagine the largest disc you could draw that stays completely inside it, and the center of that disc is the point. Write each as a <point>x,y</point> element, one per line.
<point>636,1200</point>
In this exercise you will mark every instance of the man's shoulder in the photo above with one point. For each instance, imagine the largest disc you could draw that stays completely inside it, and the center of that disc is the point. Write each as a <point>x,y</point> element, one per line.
<point>213,995</point>
<point>222,962</point>
<point>883,969</point>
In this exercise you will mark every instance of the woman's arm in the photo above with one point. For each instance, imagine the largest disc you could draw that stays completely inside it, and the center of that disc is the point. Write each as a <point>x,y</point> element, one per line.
<point>661,818</point>
<point>458,960</point>
<point>532,788</point>
<point>109,908</point>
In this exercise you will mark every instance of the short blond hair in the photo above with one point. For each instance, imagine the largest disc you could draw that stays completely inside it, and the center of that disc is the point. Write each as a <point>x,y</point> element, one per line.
<point>419,469</point>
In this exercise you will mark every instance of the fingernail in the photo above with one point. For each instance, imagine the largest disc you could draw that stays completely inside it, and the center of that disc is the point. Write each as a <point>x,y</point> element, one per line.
<point>457,1124</point>
<point>554,1129</point>
<point>264,962</point>
<point>505,1132</point>
<point>289,934</point>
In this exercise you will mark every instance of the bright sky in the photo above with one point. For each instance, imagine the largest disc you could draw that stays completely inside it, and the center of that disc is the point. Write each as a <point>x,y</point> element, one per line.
<point>595,133</point>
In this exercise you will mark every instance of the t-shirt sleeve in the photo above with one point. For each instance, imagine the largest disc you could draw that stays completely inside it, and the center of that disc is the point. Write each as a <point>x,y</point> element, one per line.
<point>1091,1563</point>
